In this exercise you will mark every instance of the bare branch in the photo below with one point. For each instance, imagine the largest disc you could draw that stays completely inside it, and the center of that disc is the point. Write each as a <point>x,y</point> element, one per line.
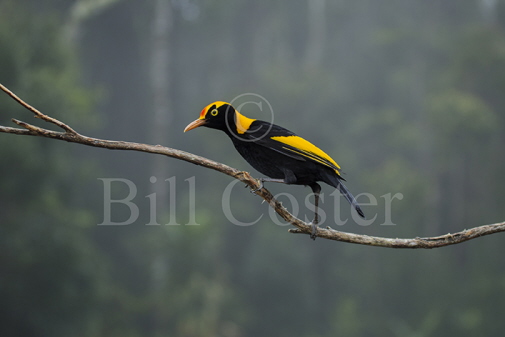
<point>428,242</point>
<point>70,135</point>
<point>37,113</point>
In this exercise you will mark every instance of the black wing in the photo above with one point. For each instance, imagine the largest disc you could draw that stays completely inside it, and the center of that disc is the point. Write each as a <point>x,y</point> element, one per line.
<point>287,143</point>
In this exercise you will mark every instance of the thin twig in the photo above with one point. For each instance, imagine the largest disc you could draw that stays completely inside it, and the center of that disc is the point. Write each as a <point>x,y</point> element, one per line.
<point>37,113</point>
<point>70,135</point>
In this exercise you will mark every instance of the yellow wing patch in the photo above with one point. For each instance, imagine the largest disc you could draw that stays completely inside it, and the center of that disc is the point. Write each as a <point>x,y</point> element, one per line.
<point>307,149</point>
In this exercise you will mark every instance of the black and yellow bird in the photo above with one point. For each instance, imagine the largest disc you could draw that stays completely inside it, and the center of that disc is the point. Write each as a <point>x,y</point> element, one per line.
<point>276,152</point>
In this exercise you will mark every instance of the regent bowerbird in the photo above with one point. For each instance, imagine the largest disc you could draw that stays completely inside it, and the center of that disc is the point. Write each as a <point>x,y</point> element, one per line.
<point>276,152</point>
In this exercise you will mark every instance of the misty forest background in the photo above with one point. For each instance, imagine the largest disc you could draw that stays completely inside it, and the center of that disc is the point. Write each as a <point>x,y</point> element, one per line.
<point>406,95</point>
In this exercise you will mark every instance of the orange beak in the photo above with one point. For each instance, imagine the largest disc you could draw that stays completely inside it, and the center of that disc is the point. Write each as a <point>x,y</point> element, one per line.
<point>195,124</point>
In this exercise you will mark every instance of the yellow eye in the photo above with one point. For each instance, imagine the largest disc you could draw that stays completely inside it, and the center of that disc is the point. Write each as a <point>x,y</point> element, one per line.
<point>214,112</point>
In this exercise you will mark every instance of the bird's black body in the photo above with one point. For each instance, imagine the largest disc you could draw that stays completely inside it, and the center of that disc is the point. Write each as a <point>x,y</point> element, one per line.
<point>275,151</point>
<point>277,165</point>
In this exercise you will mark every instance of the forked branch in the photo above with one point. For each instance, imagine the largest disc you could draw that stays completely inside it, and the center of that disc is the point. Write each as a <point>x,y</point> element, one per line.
<point>70,135</point>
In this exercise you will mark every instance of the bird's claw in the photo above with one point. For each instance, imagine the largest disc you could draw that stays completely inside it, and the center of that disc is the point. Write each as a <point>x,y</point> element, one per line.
<point>313,233</point>
<point>259,188</point>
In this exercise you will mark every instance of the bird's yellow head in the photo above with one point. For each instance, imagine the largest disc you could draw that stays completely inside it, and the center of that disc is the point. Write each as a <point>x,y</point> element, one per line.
<point>222,116</point>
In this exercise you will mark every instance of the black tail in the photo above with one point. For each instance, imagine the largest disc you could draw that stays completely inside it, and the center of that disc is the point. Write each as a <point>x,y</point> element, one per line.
<point>348,195</point>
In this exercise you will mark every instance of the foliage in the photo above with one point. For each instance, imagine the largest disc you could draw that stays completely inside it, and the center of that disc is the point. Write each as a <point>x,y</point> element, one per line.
<point>406,95</point>
<point>52,278</point>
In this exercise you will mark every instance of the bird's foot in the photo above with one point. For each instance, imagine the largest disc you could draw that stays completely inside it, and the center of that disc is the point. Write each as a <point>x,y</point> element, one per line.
<point>313,233</point>
<point>259,188</point>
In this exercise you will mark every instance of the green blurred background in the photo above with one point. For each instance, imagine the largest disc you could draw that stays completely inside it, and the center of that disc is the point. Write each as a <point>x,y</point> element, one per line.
<point>406,95</point>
